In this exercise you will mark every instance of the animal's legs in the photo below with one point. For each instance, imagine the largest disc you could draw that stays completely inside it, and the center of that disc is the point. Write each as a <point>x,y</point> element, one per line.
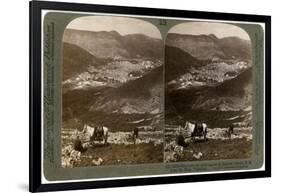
<point>192,137</point>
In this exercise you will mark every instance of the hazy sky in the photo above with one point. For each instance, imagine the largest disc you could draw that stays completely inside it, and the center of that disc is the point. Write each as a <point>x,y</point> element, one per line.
<point>123,25</point>
<point>219,29</point>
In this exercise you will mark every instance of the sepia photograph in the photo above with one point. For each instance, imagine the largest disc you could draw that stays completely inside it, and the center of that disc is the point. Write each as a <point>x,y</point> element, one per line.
<point>208,92</point>
<point>112,92</point>
<point>129,96</point>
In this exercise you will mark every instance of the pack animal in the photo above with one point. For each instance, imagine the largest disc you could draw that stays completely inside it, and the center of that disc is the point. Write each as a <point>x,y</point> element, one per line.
<point>197,129</point>
<point>97,133</point>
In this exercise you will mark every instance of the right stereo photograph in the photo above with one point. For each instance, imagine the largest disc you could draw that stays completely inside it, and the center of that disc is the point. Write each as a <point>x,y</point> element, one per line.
<point>208,92</point>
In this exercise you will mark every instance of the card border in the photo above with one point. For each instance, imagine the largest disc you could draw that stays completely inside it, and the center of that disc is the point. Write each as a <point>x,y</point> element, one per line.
<point>35,170</point>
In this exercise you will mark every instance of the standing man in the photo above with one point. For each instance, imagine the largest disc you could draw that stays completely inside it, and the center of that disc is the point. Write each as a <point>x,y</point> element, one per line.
<point>78,146</point>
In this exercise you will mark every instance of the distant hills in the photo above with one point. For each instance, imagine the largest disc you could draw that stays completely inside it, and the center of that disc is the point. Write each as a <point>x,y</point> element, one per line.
<point>134,58</point>
<point>134,62</point>
<point>111,44</point>
<point>186,54</point>
<point>208,47</point>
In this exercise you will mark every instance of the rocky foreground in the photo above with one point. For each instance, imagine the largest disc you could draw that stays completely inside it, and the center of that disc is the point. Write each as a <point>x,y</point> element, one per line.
<point>218,145</point>
<point>120,149</point>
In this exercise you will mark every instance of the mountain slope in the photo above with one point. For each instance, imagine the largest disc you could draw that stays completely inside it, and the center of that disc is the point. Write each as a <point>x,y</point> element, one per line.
<point>178,62</point>
<point>77,60</point>
<point>139,45</point>
<point>235,47</point>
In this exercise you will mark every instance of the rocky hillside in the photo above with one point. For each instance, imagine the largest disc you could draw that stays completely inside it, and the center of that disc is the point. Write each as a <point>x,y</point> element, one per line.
<point>142,95</point>
<point>231,95</point>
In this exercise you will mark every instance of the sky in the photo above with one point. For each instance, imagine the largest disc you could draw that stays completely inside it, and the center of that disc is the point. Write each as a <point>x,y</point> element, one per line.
<point>123,25</point>
<point>221,30</point>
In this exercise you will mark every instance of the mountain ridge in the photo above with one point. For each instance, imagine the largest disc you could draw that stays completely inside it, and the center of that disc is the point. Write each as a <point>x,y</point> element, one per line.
<point>208,47</point>
<point>114,45</point>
